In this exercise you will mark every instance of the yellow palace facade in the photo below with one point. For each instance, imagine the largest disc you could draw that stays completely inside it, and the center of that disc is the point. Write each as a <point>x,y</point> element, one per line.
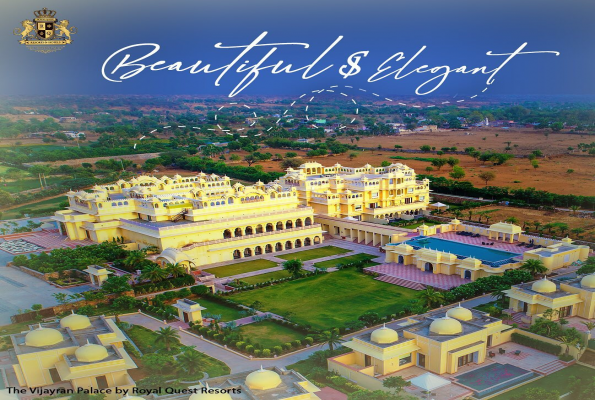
<point>193,220</point>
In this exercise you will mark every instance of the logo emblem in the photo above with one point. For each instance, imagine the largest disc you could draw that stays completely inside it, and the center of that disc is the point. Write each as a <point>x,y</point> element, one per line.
<point>45,34</point>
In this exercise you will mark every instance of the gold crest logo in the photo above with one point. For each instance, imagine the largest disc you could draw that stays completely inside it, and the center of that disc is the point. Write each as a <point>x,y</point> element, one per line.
<point>45,34</point>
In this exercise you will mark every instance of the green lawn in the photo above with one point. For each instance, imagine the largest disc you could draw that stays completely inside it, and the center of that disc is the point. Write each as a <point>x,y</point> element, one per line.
<point>345,260</point>
<point>15,328</point>
<point>240,268</point>
<point>269,334</point>
<point>329,300</point>
<point>28,184</point>
<point>314,253</point>
<point>227,313</point>
<point>416,224</point>
<point>556,381</point>
<point>48,203</point>
<point>265,277</point>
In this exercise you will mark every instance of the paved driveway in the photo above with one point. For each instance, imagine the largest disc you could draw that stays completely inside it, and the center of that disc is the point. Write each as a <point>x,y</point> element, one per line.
<point>19,291</point>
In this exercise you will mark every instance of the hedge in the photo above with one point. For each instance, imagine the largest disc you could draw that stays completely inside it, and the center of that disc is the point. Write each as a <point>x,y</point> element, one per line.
<point>591,344</point>
<point>536,344</point>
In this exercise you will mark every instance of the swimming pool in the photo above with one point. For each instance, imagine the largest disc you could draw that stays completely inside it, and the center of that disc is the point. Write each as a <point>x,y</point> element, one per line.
<point>462,249</point>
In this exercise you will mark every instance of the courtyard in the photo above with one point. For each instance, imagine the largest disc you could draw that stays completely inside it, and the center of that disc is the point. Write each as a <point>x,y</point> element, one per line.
<point>269,334</point>
<point>329,300</point>
<point>241,267</point>
<point>312,254</point>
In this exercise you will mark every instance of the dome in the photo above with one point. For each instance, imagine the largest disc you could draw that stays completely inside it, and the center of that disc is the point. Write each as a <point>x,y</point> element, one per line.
<point>384,335</point>
<point>588,281</point>
<point>544,286</point>
<point>42,337</point>
<point>91,353</point>
<point>446,326</point>
<point>263,379</point>
<point>460,313</point>
<point>75,322</point>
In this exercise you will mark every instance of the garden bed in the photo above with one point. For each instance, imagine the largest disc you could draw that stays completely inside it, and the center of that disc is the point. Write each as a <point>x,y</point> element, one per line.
<point>362,257</point>
<point>312,254</point>
<point>269,334</point>
<point>240,268</point>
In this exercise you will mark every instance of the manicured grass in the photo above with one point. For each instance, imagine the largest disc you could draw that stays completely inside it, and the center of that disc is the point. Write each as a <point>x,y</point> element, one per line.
<point>240,268</point>
<point>48,203</point>
<point>28,184</point>
<point>314,253</point>
<point>345,260</point>
<point>269,334</point>
<point>266,277</point>
<point>329,300</point>
<point>556,381</point>
<point>227,313</point>
<point>15,328</point>
<point>416,224</point>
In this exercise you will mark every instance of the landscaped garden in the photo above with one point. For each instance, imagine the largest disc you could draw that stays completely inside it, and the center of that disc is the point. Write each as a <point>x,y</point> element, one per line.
<point>269,334</point>
<point>241,268</point>
<point>356,258</point>
<point>252,280</point>
<point>212,308</point>
<point>312,254</point>
<point>329,300</point>
<point>44,207</point>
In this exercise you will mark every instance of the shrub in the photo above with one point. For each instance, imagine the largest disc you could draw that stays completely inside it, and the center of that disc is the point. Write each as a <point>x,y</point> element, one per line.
<point>287,346</point>
<point>203,330</point>
<point>85,310</point>
<point>199,290</point>
<point>249,349</point>
<point>297,343</point>
<point>338,380</point>
<point>240,345</point>
<point>308,340</point>
<point>566,357</point>
<point>266,352</point>
<point>536,344</point>
<point>278,350</point>
<point>257,352</point>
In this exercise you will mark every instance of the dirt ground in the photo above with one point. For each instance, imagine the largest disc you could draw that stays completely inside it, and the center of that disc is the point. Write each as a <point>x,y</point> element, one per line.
<point>136,158</point>
<point>528,216</point>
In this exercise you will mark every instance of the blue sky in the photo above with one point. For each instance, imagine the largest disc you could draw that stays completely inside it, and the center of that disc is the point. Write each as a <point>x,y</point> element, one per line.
<point>457,32</point>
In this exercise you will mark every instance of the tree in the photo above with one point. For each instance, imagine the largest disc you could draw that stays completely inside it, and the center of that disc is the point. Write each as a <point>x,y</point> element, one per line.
<point>534,266</point>
<point>425,148</point>
<point>588,267</point>
<point>294,267</point>
<point>332,338</point>
<point>452,162</point>
<point>512,220</point>
<point>116,284</point>
<point>567,341</point>
<point>537,394</point>
<point>438,163</point>
<point>395,382</point>
<point>6,198</point>
<point>487,176</point>
<point>175,270</point>
<point>124,303</point>
<point>369,318</point>
<point>373,395</point>
<point>153,273</point>
<point>134,259</point>
<point>430,297</point>
<point>550,313</point>
<point>167,336</point>
<point>156,363</point>
<point>189,361</point>
<point>457,173</point>
<point>61,298</point>
<point>352,155</point>
<point>574,208</point>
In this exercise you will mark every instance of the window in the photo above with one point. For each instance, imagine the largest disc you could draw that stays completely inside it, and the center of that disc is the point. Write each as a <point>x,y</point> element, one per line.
<point>55,375</point>
<point>375,195</point>
<point>101,382</point>
<point>405,360</point>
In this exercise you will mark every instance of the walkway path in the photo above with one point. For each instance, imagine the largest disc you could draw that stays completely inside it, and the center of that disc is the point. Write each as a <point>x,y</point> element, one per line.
<point>411,273</point>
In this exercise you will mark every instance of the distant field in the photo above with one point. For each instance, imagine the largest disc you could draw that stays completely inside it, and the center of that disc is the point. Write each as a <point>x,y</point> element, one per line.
<point>27,184</point>
<point>49,203</point>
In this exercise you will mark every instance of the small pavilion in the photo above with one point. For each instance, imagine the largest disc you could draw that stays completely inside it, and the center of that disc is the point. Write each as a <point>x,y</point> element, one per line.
<point>504,231</point>
<point>97,274</point>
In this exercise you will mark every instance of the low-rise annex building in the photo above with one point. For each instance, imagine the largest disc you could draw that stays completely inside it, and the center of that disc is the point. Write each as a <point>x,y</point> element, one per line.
<point>75,352</point>
<point>568,298</point>
<point>366,193</point>
<point>195,220</point>
<point>439,342</point>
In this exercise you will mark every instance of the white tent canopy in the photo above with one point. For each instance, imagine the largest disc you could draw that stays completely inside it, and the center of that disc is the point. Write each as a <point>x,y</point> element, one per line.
<point>438,205</point>
<point>429,381</point>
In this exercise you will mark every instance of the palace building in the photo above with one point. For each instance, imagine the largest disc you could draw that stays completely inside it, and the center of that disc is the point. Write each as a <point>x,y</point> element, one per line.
<point>568,298</point>
<point>195,220</point>
<point>75,352</point>
<point>440,342</point>
<point>366,194</point>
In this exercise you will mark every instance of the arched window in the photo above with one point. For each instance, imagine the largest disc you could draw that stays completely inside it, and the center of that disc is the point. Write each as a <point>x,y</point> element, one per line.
<point>226,234</point>
<point>279,226</point>
<point>298,243</point>
<point>247,252</point>
<point>307,242</point>
<point>259,229</point>
<point>257,250</point>
<point>299,223</point>
<point>288,245</point>
<point>308,221</point>
<point>269,228</point>
<point>289,225</point>
<point>317,240</point>
<point>268,248</point>
<point>237,254</point>
<point>278,246</point>
<point>249,230</point>
<point>238,232</point>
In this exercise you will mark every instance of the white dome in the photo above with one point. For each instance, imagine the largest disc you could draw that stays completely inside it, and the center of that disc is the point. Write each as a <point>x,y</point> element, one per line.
<point>263,379</point>
<point>544,286</point>
<point>460,313</point>
<point>384,335</point>
<point>446,326</point>
<point>42,337</point>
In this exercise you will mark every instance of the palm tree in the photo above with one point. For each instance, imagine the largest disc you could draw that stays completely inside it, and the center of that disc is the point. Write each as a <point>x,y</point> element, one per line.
<point>153,273</point>
<point>167,336</point>
<point>189,361</point>
<point>534,266</point>
<point>512,220</point>
<point>430,296</point>
<point>568,342</point>
<point>470,214</point>
<point>500,296</point>
<point>575,209</point>
<point>332,338</point>
<point>536,224</point>
<point>590,325</point>
<point>457,213</point>
<point>134,258</point>
<point>578,232</point>
<point>175,270</point>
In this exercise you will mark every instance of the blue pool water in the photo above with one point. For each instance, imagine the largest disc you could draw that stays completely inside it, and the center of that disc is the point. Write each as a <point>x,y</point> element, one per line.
<point>462,249</point>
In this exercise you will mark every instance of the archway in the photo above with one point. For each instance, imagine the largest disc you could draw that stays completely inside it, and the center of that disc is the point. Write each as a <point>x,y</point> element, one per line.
<point>237,254</point>
<point>307,242</point>
<point>226,234</point>
<point>289,225</point>
<point>401,260</point>
<point>247,252</point>
<point>259,228</point>
<point>288,245</point>
<point>257,250</point>
<point>278,246</point>
<point>249,230</point>
<point>429,267</point>
<point>467,274</point>
<point>317,240</point>
<point>268,248</point>
<point>299,223</point>
<point>308,221</point>
<point>269,228</point>
<point>279,226</point>
<point>298,243</point>
<point>238,232</point>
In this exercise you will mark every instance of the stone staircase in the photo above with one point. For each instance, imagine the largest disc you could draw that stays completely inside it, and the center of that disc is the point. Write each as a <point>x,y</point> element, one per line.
<point>550,367</point>
<point>393,280</point>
